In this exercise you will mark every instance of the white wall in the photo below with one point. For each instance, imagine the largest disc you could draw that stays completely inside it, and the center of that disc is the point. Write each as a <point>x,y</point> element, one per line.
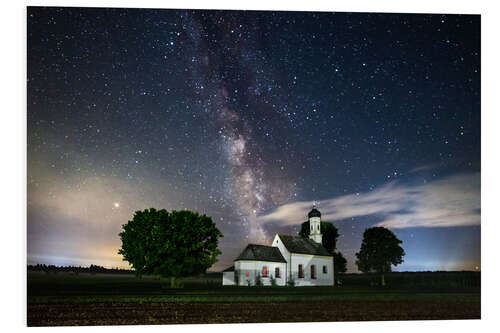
<point>287,270</point>
<point>294,259</point>
<point>254,267</point>
<point>307,261</point>
<point>228,279</point>
<point>279,244</point>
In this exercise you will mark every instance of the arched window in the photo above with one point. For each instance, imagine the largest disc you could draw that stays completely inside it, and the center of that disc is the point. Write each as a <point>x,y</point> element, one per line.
<point>313,272</point>
<point>324,269</point>
<point>301,272</point>
<point>264,271</point>
<point>318,227</point>
<point>277,272</point>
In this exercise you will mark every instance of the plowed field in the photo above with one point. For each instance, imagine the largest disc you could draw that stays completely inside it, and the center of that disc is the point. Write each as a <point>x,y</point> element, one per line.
<point>130,313</point>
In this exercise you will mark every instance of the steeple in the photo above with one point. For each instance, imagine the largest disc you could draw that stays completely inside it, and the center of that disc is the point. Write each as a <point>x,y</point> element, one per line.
<point>315,225</point>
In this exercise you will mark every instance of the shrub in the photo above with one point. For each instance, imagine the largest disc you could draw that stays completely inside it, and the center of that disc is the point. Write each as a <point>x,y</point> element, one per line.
<point>177,284</point>
<point>273,281</point>
<point>258,281</point>
<point>290,283</point>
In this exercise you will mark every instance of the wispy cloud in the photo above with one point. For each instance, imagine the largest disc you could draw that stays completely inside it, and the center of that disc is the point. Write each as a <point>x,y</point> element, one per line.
<point>450,201</point>
<point>425,167</point>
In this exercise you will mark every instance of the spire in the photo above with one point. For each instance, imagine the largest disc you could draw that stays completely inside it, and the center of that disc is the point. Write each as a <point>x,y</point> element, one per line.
<point>314,212</point>
<point>315,225</point>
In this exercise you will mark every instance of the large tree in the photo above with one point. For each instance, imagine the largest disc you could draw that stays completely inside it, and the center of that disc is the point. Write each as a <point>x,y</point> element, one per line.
<point>379,251</point>
<point>329,231</point>
<point>176,244</point>
<point>339,262</point>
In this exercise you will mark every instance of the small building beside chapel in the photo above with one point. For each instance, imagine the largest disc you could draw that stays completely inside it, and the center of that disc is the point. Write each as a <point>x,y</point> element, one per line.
<point>289,258</point>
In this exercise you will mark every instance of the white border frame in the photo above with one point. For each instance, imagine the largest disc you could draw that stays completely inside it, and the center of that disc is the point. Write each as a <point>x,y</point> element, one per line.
<point>13,138</point>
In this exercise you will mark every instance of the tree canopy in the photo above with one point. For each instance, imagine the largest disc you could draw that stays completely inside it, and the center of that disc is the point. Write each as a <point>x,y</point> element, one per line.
<point>329,231</point>
<point>176,244</point>
<point>339,262</point>
<point>379,250</point>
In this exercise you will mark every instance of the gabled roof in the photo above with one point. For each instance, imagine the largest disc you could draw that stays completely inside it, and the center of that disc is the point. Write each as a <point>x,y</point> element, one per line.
<point>229,269</point>
<point>298,244</point>
<point>261,253</point>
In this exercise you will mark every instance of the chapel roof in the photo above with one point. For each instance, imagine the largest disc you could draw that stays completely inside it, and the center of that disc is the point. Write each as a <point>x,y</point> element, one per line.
<point>298,244</point>
<point>229,269</point>
<point>314,212</point>
<point>261,253</point>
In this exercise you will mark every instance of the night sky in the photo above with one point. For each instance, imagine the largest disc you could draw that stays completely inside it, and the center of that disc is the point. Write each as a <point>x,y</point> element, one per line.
<point>251,117</point>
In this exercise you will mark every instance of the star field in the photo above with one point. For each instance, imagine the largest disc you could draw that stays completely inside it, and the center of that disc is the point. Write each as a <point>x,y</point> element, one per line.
<point>246,115</point>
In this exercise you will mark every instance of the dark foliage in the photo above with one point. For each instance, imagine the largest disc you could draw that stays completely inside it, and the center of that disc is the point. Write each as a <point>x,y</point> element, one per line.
<point>329,231</point>
<point>92,269</point>
<point>379,250</point>
<point>176,244</point>
<point>339,263</point>
<point>442,280</point>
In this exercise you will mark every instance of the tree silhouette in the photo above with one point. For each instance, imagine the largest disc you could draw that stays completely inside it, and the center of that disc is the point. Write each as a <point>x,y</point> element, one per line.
<point>329,231</point>
<point>379,250</point>
<point>176,244</point>
<point>339,262</point>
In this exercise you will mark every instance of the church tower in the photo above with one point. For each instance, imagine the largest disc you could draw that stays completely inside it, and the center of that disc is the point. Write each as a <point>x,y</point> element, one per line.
<point>315,225</point>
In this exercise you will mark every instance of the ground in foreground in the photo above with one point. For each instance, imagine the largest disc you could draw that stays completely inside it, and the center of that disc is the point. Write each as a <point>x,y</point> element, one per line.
<point>130,313</point>
<point>66,300</point>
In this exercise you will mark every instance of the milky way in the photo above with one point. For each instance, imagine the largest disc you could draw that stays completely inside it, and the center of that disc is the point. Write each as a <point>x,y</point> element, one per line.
<point>250,117</point>
<point>249,184</point>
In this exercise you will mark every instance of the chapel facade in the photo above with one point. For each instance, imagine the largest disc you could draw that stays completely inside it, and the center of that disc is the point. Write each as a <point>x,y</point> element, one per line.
<point>289,260</point>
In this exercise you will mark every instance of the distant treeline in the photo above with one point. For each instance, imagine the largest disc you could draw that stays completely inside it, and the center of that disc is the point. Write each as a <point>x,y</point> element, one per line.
<point>92,269</point>
<point>438,279</point>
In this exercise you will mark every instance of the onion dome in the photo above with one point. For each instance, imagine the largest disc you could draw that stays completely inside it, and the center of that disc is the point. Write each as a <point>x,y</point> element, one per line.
<point>314,212</point>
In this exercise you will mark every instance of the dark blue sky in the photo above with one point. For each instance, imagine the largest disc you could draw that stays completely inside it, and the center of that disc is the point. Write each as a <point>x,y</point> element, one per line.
<point>250,117</point>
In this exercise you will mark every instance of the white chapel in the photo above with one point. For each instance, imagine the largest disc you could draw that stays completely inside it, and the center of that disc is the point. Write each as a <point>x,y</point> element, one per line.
<point>289,260</point>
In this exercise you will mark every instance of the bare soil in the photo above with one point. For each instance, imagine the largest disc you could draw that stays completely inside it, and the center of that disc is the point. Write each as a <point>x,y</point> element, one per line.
<point>130,313</point>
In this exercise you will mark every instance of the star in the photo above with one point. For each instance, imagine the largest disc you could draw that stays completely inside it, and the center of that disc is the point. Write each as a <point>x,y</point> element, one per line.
<point>197,110</point>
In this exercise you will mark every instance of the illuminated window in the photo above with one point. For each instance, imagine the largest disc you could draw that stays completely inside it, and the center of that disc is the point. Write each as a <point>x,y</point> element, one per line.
<point>277,272</point>
<point>324,269</point>
<point>313,272</point>
<point>301,272</point>
<point>264,271</point>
